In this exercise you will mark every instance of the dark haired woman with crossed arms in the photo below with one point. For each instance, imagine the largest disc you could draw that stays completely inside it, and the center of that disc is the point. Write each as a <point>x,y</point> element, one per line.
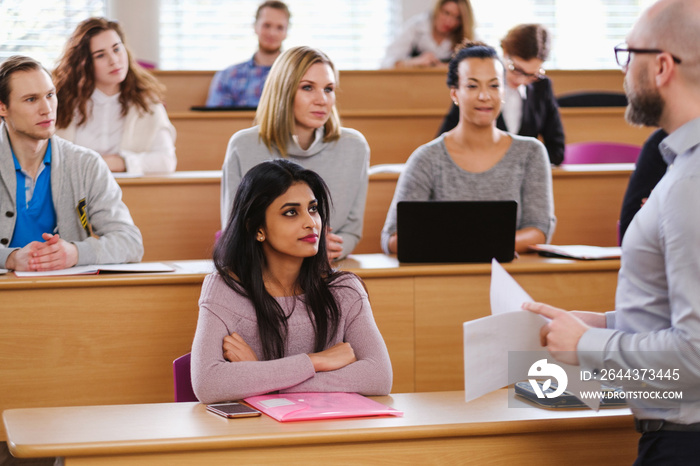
<point>275,316</point>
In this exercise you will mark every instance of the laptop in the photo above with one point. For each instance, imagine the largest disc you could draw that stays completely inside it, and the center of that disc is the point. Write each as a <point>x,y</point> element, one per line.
<point>456,231</point>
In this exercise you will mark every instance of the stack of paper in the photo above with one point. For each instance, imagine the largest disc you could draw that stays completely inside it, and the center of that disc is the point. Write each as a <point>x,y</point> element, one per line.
<point>140,267</point>
<point>578,251</point>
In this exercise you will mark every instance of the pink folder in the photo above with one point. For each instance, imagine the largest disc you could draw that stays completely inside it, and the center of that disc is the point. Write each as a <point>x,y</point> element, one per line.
<point>308,406</point>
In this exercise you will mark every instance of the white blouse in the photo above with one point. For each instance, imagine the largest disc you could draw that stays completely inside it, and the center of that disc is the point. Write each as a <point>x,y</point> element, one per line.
<point>416,37</point>
<point>104,132</point>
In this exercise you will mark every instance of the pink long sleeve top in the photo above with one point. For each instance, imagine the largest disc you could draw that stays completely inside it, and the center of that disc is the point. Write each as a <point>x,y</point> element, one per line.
<point>223,311</point>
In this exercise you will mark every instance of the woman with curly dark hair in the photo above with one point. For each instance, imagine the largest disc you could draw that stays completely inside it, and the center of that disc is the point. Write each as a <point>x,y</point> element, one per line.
<point>110,104</point>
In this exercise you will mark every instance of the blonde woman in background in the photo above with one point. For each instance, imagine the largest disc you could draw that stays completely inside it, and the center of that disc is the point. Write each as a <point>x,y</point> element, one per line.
<point>297,120</point>
<point>428,39</point>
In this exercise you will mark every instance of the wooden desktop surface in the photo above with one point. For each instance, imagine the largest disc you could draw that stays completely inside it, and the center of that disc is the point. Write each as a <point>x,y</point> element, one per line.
<point>111,339</point>
<point>437,428</point>
<point>179,214</point>
<point>396,110</point>
<point>383,89</point>
<point>392,135</point>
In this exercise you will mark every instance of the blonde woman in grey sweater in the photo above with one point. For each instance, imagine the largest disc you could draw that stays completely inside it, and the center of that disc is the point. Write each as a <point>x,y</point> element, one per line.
<point>297,120</point>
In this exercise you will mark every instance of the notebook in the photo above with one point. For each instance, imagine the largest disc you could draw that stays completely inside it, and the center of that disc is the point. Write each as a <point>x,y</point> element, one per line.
<point>456,231</point>
<point>309,406</point>
<point>578,251</point>
<point>137,267</point>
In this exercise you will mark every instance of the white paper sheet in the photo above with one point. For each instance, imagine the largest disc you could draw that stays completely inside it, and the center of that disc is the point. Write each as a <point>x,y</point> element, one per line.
<point>487,342</point>
<point>579,251</point>
<point>506,294</point>
<point>139,267</point>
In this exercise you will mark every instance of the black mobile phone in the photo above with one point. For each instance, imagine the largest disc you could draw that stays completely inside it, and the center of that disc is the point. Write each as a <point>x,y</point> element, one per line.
<point>232,410</point>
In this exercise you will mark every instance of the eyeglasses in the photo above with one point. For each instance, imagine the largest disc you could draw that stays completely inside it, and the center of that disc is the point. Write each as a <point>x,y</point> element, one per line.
<point>623,54</point>
<point>515,69</point>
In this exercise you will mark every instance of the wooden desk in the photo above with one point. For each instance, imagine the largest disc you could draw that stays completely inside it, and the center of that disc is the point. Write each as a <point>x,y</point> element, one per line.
<point>601,124</point>
<point>111,339</point>
<point>396,110</point>
<point>433,301</point>
<point>587,203</point>
<point>383,89</point>
<point>393,134</point>
<point>437,428</point>
<point>178,214</point>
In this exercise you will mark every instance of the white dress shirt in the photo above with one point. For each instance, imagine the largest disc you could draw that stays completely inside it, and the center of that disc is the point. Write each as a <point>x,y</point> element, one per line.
<point>513,108</point>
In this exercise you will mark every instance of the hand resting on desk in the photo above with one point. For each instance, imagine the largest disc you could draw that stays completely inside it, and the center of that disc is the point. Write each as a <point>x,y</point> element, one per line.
<point>53,254</point>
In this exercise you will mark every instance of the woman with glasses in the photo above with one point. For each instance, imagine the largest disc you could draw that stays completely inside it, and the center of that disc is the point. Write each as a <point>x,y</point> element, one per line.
<point>530,108</point>
<point>428,39</point>
<point>476,161</point>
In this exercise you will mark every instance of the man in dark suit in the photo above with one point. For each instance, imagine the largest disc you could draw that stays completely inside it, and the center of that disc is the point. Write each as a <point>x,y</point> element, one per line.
<point>530,108</point>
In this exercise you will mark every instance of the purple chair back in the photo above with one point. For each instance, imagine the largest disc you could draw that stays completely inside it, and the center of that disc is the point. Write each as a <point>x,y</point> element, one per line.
<point>600,152</point>
<point>182,379</point>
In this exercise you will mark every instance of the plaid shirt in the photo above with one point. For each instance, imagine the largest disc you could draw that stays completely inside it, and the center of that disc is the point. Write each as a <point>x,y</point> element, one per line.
<point>238,85</point>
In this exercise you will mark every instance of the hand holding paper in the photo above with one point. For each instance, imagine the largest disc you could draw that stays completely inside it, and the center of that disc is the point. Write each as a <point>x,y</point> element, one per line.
<point>489,340</point>
<point>561,335</point>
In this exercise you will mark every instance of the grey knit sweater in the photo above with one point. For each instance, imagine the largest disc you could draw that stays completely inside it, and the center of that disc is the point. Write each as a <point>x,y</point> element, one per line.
<point>523,174</point>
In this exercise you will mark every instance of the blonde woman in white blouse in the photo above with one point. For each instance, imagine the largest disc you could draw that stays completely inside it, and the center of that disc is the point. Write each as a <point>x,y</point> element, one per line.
<point>108,103</point>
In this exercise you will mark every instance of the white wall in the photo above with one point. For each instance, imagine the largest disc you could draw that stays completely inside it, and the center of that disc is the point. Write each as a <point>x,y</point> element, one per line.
<point>139,20</point>
<point>413,7</point>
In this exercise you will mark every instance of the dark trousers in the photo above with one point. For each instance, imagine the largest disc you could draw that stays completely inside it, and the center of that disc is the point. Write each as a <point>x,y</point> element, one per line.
<point>6,459</point>
<point>668,448</point>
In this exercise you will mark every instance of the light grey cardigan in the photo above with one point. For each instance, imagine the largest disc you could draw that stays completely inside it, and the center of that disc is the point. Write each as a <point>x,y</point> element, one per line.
<point>76,173</point>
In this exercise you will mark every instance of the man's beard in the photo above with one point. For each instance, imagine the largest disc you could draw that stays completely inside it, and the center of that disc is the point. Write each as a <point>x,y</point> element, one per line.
<point>645,105</point>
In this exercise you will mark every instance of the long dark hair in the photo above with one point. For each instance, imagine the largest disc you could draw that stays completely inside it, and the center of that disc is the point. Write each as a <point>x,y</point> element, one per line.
<point>240,260</point>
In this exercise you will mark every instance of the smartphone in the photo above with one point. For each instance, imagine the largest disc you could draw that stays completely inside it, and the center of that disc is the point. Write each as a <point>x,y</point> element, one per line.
<point>232,410</point>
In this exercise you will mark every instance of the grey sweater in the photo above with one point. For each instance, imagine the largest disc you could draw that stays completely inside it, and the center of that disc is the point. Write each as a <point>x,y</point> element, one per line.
<point>76,173</point>
<point>342,164</point>
<point>523,174</point>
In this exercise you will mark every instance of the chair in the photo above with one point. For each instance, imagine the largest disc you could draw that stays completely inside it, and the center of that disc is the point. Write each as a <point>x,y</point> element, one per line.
<point>593,99</point>
<point>149,65</point>
<point>600,152</point>
<point>182,379</point>
<point>386,168</point>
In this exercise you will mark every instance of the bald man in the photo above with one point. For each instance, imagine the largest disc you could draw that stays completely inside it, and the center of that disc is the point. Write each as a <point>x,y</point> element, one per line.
<point>651,342</point>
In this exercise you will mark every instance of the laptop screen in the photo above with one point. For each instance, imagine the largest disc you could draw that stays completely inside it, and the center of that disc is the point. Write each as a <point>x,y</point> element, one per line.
<point>456,231</point>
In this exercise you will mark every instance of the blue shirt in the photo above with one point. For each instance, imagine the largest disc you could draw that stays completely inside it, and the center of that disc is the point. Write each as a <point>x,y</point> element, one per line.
<point>238,85</point>
<point>35,211</point>
<point>656,324</point>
